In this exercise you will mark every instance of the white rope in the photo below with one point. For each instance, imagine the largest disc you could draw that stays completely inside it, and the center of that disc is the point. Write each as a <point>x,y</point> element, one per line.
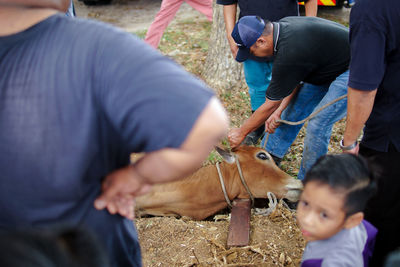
<point>273,202</point>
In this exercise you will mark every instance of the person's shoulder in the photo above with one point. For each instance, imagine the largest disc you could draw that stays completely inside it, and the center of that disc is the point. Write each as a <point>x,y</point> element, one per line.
<point>93,35</point>
<point>97,27</point>
<point>364,11</point>
<point>302,21</point>
<point>86,28</point>
<point>345,248</point>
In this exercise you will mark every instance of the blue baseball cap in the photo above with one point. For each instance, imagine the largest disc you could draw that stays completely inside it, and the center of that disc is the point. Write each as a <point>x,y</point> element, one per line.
<point>245,33</point>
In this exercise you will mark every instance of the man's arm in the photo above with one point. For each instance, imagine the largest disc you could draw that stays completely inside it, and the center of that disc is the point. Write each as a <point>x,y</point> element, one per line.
<point>359,107</point>
<point>61,5</point>
<point>271,124</point>
<point>168,164</point>
<point>237,135</point>
<point>230,20</point>
<point>311,7</point>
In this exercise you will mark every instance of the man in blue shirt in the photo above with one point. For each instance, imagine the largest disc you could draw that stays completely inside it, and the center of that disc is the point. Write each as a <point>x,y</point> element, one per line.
<point>77,97</point>
<point>373,100</point>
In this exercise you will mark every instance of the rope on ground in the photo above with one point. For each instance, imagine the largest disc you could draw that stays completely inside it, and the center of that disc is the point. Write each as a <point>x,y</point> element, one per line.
<point>273,202</point>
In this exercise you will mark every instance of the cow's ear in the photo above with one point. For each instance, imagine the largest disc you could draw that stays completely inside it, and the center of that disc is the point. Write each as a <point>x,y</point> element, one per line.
<point>226,155</point>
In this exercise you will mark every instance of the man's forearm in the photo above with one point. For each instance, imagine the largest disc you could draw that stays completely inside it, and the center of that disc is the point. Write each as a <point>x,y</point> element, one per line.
<point>259,116</point>
<point>286,101</point>
<point>359,107</point>
<point>229,19</point>
<point>311,8</point>
<point>61,5</point>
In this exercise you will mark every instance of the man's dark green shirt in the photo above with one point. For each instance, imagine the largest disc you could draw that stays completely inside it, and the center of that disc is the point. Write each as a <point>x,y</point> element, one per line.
<point>307,49</point>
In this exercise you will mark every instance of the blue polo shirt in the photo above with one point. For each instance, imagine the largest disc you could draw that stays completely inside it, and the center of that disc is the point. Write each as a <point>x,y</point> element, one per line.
<point>375,63</point>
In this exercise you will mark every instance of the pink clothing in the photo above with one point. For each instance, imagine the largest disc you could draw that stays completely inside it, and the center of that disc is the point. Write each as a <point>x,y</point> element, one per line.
<point>167,13</point>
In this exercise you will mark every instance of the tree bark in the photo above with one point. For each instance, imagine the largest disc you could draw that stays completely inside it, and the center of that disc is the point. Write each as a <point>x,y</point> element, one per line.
<point>221,70</point>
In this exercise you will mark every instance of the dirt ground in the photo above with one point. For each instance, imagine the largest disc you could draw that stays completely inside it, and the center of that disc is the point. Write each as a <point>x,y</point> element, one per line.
<point>275,240</point>
<point>133,15</point>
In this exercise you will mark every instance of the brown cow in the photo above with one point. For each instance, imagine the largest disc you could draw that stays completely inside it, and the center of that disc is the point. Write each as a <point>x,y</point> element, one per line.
<point>200,195</point>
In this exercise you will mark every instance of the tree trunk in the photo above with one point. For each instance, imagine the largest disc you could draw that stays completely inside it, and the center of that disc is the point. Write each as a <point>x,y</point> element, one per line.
<point>221,70</point>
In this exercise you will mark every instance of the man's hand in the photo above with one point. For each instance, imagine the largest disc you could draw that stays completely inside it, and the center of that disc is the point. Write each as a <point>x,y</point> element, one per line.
<point>235,137</point>
<point>271,124</point>
<point>233,46</point>
<point>164,165</point>
<point>119,190</point>
<point>352,151</point>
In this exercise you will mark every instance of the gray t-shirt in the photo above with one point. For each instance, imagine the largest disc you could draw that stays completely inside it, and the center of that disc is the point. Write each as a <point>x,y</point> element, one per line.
<point>77,97</point>
<point>348,248</point>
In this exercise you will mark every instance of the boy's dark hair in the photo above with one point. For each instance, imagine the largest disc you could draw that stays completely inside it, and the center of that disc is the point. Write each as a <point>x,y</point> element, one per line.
<point>347,173</point>
<point>60,247</point>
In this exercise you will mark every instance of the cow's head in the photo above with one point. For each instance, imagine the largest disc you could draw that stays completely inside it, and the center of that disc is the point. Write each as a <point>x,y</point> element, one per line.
<point>261,173</point>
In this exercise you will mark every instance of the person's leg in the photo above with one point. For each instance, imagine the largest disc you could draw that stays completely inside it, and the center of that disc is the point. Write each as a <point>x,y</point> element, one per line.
<point>203,6</point>
<point>384,208</point>
<point>163,18</point>
<point>299,108</point>
<point>319,128</point>
<point>258,77</point>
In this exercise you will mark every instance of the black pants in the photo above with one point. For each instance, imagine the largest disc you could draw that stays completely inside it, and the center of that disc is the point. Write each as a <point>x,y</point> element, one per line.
<point>383,210</point>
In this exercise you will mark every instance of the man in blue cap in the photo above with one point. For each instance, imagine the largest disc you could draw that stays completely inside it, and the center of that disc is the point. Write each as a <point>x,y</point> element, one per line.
<point>307,50</point>
<point>257,71</point>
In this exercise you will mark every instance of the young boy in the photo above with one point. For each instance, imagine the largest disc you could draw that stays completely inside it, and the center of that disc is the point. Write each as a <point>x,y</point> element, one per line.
<point>330,212</point>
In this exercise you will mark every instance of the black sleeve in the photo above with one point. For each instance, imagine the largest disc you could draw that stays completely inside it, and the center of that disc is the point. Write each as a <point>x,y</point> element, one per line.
<point>284,80</point>
<point>227,2</point>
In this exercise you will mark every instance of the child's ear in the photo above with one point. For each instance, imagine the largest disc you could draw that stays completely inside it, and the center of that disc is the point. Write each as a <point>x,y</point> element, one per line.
<point>354,220</point>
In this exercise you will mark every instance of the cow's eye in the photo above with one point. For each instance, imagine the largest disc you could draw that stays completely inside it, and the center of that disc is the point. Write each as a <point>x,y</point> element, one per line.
<point>262,156</point>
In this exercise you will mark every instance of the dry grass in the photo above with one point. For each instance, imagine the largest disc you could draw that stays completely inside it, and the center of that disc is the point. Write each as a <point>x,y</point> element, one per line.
<point>274,241</point>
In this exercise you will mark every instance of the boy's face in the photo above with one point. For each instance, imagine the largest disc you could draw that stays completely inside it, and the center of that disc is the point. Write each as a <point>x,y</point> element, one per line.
<point>320,213</point>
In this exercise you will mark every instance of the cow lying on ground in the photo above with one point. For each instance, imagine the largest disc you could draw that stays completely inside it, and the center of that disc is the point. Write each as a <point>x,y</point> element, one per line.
<point>201,195</point>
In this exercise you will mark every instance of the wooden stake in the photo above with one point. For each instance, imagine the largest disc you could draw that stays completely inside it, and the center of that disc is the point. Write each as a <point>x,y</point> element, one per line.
<point>239,227</point>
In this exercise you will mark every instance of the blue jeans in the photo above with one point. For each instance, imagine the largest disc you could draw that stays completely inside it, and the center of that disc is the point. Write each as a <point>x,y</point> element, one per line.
<point>258,77</point>
<point>310,98</point>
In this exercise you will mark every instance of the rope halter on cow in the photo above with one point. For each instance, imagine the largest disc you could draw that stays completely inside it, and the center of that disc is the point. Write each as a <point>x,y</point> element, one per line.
<point>221,179</point>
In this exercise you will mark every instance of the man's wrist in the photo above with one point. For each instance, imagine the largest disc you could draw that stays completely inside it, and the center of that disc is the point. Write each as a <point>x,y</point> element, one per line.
<point>349,147</point>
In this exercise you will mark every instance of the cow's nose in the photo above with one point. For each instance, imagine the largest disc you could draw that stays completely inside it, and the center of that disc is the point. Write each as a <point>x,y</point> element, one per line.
<point>294,184</point>
<point>294,189</point>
